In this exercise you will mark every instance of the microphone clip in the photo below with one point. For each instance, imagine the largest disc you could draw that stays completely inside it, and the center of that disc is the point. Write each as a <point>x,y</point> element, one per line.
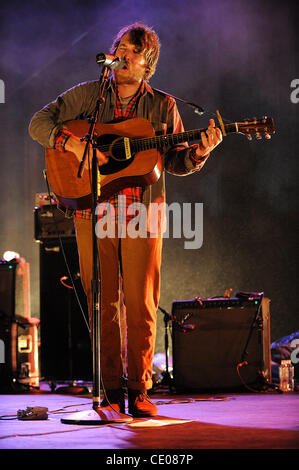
<point>110,61</point>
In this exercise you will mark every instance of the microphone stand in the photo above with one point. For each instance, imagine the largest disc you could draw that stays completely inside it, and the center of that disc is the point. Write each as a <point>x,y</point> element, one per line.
<point>167,379</point>
<point>96,415</point>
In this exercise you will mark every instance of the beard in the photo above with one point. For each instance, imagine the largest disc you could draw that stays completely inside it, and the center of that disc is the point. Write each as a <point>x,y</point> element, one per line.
<point>127,77</point>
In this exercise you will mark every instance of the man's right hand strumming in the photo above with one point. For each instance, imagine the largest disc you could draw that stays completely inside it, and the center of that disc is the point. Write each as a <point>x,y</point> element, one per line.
<point>76,146</point>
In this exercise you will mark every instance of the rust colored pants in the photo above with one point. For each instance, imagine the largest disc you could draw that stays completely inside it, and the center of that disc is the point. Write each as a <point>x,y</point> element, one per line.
<point>131,266</point>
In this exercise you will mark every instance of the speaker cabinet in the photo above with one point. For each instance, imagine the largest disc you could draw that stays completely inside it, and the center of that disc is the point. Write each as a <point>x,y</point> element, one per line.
<point>14,288</point>
<point>211,337</point>
<point>65,340</point>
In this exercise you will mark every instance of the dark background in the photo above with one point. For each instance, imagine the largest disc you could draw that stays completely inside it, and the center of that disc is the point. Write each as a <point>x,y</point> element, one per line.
<point>236,56</point>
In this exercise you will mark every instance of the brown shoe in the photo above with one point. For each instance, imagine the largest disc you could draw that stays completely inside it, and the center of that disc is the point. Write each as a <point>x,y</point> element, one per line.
<point>114,399</point>
<point>140,405</point>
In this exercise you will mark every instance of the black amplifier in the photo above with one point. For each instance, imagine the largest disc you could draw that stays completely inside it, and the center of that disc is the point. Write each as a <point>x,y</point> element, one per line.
<point>221,343</point>
<point>51,223</point>
<point>50,220</point>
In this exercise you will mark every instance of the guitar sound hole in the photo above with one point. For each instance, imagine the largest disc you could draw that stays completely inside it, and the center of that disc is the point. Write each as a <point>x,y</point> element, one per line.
<point>113,146</point>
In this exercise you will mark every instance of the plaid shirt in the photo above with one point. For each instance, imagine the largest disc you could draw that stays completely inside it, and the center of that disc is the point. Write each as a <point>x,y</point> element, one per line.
<point>128,196</point>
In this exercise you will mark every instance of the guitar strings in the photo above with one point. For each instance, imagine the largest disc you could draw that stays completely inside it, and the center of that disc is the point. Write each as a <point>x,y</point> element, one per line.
<point>147,143</point>
<point>143,143</point>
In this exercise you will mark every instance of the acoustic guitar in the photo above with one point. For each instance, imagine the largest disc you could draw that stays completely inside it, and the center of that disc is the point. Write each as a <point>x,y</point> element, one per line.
<point>134,157</point>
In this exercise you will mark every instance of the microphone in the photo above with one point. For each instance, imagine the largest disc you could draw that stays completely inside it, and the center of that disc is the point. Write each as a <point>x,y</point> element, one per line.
<point>110,61</point>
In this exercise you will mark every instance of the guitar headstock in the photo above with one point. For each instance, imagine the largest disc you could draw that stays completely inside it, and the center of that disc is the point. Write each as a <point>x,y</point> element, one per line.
<point>257,127</point>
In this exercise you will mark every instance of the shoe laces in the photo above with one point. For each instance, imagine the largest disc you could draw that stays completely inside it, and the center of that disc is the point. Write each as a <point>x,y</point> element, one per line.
<point>142,396</point>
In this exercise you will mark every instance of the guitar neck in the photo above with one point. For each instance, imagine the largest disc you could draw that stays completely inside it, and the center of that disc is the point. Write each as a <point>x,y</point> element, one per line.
<point>176,139</point>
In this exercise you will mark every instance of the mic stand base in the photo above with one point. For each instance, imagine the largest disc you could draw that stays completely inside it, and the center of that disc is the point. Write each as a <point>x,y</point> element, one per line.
<point>97,416</point>
<point>73,390</point>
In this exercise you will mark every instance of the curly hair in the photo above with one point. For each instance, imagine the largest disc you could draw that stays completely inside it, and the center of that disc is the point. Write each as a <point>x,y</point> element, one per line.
<point>144,37</point>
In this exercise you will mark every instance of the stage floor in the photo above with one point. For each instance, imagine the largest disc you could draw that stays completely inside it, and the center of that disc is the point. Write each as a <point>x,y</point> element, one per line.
<point>251,421</point>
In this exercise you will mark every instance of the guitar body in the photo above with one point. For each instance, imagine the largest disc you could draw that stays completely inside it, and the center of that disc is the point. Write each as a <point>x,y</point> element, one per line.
<point>133,169</point>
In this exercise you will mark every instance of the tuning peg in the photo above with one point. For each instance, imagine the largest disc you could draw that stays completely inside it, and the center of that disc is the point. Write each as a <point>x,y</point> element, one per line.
<point>258,136</point>
<point>268,136</point>
<point>249,137</point>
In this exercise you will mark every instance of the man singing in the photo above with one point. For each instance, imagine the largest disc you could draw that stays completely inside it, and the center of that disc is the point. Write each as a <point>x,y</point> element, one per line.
<point>130,267</point>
